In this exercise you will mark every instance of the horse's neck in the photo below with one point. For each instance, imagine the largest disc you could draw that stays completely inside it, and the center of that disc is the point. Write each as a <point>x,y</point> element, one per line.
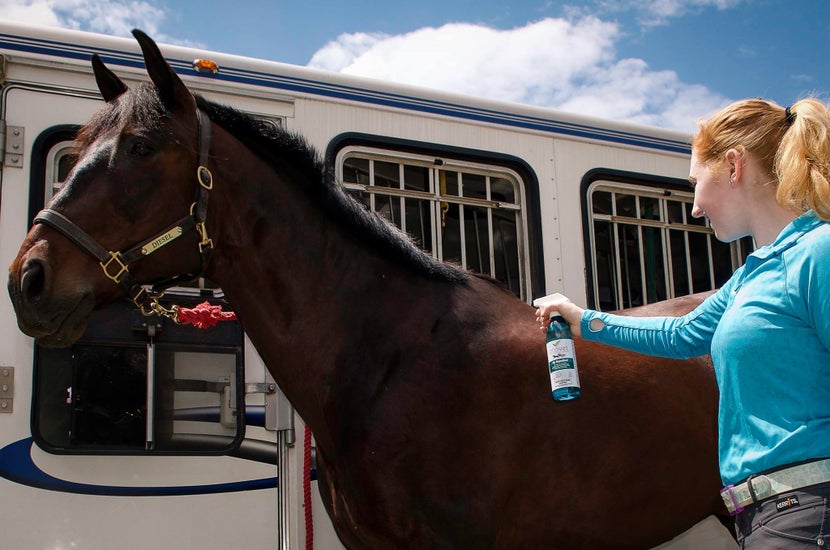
<point>310,322</point>
<point>307,293</point>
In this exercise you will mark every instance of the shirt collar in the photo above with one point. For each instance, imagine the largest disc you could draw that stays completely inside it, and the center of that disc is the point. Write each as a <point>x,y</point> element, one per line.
<point>789,235</point>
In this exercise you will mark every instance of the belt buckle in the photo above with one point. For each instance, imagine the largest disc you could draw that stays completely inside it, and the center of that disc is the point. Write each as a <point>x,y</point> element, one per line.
<point>729,498</point>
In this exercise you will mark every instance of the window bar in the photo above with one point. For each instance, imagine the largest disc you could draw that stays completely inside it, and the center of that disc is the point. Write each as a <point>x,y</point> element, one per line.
<point>506,260</point>
<point>641,251</point>
<point>435,218</point>
<point>435,211</point>
<point>626,269</point>
<point>667,254</point>
<point>688,252</point>
<point>668,268</point>
<point>462,221</point>
<point>401,200</point>
<point>420,203</point>
<point>735,253</point>
<point>595,259</point>
<point>390,198</point>
<point>626,266</point>
<point>520,257</point>
<point>687,246</point>
<point>151,378</point>
<point>666,248</point>
<point>372,202</point>
<point>491,241</point>
<point>711,260</point>
<point>617,247</point>
<point>477,239</point>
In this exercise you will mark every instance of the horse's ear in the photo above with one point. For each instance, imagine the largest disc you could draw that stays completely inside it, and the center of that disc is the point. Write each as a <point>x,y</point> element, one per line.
<point>108,83</point>
<point>170,86</point>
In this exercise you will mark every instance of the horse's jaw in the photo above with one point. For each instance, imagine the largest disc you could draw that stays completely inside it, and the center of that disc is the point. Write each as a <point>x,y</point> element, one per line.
<point>63,329</point>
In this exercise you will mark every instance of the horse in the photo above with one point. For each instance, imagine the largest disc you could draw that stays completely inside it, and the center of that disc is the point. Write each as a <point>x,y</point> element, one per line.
<point>425,386</point>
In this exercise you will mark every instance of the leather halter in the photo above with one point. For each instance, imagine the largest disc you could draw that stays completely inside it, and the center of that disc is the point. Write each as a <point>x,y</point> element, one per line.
<point>116,265</point>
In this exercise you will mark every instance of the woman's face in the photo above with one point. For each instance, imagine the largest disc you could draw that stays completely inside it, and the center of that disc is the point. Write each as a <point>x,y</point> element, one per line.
<point>713,199</point>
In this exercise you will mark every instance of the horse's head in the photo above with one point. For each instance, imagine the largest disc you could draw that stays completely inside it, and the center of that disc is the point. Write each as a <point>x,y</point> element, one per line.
<point>126,214</point>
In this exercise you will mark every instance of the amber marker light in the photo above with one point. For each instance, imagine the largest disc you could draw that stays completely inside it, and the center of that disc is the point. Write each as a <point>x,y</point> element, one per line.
<point>205,66</point>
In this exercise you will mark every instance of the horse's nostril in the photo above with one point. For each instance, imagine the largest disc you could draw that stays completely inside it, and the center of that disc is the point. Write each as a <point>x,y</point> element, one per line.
<point>32,281</point>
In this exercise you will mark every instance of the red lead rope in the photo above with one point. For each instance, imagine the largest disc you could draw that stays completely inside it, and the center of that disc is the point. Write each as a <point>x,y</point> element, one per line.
<point>309,520</point>
<point>204,315</point>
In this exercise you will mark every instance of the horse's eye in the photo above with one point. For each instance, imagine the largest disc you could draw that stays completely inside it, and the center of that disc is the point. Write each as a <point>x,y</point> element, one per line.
<point>140,148</point>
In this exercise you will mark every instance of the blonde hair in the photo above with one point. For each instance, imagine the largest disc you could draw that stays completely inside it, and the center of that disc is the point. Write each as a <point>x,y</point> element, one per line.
<point>792,146</point>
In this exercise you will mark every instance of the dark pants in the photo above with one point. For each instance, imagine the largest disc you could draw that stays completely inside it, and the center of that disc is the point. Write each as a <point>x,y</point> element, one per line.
<point>796,520</point>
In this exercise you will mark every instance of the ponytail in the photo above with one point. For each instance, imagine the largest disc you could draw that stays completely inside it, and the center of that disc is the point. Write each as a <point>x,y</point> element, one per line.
<point>802,164</point>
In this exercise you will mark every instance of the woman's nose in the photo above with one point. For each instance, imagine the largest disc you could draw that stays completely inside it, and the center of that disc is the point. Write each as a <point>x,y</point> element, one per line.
<point>697,212</point>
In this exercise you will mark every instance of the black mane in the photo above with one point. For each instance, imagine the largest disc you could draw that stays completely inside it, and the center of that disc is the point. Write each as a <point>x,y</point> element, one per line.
<point>276,145</point>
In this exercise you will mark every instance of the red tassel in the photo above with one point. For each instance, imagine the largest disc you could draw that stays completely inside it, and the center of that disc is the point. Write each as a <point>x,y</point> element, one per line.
<point>204,315</point>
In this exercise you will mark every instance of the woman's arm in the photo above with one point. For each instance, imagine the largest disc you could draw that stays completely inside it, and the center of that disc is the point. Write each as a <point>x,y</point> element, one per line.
<point>675,337</point>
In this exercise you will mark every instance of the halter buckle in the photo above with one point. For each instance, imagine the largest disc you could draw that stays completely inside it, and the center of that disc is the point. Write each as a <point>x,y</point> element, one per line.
<point>205,177</point>
<point>121,266</point>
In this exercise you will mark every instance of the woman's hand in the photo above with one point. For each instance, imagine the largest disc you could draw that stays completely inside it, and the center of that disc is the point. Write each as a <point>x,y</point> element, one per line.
<point>557,303</point>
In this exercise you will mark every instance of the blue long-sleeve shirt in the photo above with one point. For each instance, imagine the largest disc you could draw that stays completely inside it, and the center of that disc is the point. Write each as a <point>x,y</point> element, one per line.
<point>768,331</point>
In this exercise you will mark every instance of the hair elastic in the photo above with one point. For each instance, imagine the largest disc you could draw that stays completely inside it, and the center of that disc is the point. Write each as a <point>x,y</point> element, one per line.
<point>790,115</point>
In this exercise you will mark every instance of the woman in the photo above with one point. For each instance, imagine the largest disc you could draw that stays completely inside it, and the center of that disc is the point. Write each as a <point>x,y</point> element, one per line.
<point>761,170</point>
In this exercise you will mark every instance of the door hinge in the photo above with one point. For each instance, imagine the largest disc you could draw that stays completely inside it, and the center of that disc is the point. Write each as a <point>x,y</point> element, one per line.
<point>11,145</point>
<point>6,389</point>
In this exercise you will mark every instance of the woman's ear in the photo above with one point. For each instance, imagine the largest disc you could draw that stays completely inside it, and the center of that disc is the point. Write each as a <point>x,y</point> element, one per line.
<point>735,160</point>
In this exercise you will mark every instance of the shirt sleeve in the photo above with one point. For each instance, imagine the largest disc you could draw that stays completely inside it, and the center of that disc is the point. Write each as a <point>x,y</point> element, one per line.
<point>673,337</point>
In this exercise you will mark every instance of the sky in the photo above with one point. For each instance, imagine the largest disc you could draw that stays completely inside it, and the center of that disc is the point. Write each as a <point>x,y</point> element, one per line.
<point>666,63</point>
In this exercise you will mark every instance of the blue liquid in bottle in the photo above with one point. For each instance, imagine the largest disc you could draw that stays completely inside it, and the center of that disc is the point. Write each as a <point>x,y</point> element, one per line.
<point>564,377</point>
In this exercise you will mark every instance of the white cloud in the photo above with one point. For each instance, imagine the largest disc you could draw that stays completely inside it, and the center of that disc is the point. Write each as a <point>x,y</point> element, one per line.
<point>557,63</point>
<point>339,54</point>
<point>114,17</point>
<point>652,13</point>
<point>38,13</point>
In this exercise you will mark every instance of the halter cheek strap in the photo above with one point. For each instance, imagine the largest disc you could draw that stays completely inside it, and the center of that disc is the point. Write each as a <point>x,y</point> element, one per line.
<point>116,265</point>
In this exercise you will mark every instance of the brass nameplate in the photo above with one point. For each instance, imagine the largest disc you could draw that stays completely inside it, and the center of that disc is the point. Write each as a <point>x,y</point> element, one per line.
<point>158,242</point>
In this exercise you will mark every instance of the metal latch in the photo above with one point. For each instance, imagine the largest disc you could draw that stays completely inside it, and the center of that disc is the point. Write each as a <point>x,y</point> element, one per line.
<point>6,389</point>
<point>270,390</point>
<point>263,387</point>
<point>11,145</point>
<point>227,409</point>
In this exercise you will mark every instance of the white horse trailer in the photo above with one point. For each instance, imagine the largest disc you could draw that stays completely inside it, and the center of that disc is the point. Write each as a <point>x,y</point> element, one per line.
<point>150,435</point>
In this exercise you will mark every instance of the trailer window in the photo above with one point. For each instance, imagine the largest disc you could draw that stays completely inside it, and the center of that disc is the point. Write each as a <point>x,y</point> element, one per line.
<point>59,161</point>
<point>462,212</point>
<point>645,246</point>
<point>130,392</point>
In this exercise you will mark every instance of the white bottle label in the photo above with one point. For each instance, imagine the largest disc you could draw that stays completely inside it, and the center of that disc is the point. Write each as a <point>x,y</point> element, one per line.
<point>562,364</point>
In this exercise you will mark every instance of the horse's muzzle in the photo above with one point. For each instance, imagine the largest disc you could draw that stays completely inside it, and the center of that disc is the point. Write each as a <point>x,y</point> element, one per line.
<point>53,320</point>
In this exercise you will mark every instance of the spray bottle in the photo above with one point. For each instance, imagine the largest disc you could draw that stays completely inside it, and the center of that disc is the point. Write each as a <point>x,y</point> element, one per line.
<point>564,377</point>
